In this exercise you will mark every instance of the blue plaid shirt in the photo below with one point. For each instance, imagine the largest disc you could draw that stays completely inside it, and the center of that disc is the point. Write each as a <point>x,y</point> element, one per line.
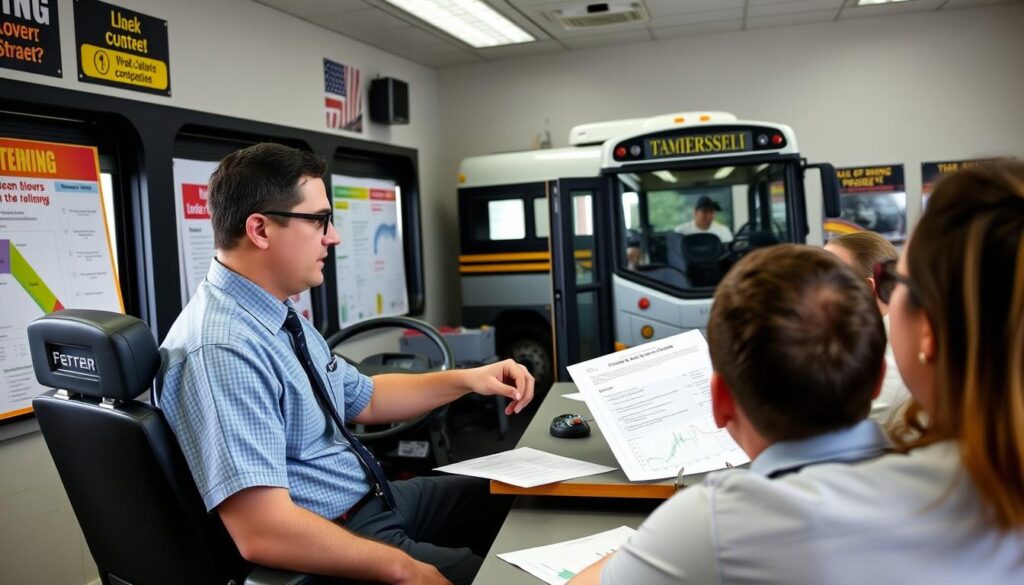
<point>240,403</point>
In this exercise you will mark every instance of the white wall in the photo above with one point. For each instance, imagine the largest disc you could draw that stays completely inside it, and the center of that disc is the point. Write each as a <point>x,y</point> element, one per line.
<point>241,59</point>
<point>905,89</point>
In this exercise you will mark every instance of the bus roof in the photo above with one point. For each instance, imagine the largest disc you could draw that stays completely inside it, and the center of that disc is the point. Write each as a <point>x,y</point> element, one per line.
<point>592,149</point>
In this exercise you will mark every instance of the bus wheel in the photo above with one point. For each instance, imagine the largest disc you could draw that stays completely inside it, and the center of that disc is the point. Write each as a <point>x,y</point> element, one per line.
<point>532,354</point>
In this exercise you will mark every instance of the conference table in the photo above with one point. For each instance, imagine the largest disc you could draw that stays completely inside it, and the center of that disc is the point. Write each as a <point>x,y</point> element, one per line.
<point>570,509</point>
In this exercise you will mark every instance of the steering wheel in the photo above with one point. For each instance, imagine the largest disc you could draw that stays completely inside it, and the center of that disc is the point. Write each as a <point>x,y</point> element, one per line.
<point>740,243</point>
<point>385,431</point>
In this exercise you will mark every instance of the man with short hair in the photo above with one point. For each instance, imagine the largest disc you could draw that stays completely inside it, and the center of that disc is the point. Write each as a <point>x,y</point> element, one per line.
<point>703,221</point>
<point>796,349</point>
<point>249,387</point>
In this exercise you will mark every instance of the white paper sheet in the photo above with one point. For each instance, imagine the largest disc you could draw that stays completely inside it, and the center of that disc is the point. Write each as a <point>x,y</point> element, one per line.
<point>578,396</point>
<point>525,467</point>
<point>557,563</point>
<point>653,404</point>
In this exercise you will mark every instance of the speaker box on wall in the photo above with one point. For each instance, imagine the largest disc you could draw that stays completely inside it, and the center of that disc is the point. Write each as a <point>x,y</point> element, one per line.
<point>389,101</point>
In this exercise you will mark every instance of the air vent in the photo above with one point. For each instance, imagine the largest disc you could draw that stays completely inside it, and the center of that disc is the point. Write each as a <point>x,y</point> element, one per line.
<point>599,14</point>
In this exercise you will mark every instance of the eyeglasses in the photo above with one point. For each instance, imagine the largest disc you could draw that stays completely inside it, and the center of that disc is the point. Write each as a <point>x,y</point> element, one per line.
<point>323,219</point>
<point>886,279</point>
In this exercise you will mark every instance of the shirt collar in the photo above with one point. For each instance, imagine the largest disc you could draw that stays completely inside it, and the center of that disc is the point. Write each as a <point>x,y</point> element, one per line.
<point>253,298</point>
<point>863,440</point>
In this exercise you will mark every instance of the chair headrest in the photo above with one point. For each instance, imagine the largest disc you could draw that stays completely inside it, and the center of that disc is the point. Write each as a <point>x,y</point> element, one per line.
<point>96,353</point>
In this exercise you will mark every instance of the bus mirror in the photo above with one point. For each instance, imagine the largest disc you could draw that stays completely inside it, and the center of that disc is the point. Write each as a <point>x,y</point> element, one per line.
<point>829,188</point>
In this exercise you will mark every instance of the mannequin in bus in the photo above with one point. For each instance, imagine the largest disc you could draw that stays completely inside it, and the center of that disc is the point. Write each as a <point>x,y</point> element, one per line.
<point>703,221</point>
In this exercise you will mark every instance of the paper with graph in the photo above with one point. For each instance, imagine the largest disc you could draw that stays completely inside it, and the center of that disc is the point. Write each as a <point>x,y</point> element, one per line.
<point>653,404</point>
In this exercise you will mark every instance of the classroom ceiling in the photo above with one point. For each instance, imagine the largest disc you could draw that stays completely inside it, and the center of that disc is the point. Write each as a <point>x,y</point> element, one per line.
<point>381,25</point>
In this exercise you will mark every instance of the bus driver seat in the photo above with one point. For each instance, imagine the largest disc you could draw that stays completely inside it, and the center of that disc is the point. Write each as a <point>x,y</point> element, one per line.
<point>120,464</point>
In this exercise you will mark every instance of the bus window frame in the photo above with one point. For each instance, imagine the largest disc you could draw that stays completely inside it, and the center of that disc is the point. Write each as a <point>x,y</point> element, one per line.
<point>791,163</point>
<point>527,192</point>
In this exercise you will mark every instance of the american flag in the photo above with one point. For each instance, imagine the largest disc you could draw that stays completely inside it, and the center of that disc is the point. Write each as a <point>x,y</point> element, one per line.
<point>343,99</point>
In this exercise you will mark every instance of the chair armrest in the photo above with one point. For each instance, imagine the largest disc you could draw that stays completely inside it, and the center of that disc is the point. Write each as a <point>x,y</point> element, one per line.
<point>265,576</point>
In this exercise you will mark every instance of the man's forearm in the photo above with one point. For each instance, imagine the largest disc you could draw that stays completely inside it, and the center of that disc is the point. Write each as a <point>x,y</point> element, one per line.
<point>404,396</point>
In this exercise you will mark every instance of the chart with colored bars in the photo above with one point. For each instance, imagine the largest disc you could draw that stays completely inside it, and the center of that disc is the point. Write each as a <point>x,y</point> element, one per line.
<point>13,263</point>
<point>55,251</point>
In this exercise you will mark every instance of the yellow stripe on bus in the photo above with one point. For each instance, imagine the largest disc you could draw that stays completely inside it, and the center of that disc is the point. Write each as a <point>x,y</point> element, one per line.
<point>505,256</point>
<point>14,413</point>
<point>516,256</point>
<point>518,267</point>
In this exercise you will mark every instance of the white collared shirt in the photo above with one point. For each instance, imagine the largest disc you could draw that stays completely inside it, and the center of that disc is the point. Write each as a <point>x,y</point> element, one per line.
<point>894,519</point>
<point>718,229</point>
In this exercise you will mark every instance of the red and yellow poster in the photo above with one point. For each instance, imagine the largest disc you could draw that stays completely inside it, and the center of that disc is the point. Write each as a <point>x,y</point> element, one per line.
<point>54,251</point>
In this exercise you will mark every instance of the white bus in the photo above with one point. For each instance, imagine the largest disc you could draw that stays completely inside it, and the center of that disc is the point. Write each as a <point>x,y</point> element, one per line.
<point>575,252</point>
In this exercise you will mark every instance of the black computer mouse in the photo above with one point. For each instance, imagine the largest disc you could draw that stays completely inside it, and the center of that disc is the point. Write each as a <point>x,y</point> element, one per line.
<point>569,426</point>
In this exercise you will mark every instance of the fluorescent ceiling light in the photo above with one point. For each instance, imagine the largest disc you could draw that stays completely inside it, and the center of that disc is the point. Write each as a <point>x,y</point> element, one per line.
<point>471,21</point>
<point>869,2</point>
<point>666,176</point>
<point>724,172</point>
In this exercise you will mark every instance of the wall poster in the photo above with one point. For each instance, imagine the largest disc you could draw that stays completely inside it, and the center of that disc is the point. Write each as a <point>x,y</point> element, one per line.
<point>875,198</point>
<point>195,232</point>
<point>55,251</point>
<point>370,260</point>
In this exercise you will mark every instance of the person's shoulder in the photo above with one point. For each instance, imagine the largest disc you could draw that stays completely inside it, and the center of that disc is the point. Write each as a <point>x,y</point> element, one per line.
<point>211,317</point>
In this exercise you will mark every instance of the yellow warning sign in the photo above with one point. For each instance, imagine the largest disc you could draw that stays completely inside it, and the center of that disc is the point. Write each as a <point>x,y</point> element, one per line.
<point>101,63</point>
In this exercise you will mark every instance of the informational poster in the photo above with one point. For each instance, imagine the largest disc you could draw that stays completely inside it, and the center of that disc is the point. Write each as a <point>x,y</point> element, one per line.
<point>875,198</point>
<point>54,251</point>
<point>931,172</point>
<point>370,260</point>
<point>121,48</point>
<point>195,232</point>
<point>30,37</point>
<point>343,96</point>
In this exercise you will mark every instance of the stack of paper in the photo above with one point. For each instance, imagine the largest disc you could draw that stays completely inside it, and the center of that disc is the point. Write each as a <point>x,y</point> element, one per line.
<point>525,467</point>
<point>557,563</point>
<point>653,404</point>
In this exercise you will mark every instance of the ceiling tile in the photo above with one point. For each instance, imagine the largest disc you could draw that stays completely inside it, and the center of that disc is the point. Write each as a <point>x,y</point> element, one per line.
<point>718,26</point>
<point>791,19</point>
<point>658,8</point>
<point>793,6</point>
<point>520,50</point>
<point>315,7</point>
<point>412,38</point>
<point>623,38</point>
<point>448,59</point>
<point>952,4</point>
<point>360,20</point>
<point>685,18</point>
<point>854,11</point>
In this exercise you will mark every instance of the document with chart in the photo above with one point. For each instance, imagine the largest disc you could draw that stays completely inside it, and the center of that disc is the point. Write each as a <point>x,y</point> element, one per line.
<point>653,404</point>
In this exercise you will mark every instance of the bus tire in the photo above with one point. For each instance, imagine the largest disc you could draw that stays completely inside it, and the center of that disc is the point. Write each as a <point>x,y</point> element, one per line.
<point>536,357</point>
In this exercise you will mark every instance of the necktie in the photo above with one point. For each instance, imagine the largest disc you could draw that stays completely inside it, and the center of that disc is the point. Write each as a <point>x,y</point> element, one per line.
<point>294,328</point>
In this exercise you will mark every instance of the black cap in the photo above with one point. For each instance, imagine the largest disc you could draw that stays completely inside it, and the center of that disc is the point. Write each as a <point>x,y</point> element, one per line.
<point>706,202</point>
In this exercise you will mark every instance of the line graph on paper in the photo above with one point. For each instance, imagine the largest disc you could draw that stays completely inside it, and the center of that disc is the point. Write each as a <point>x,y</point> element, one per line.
<point>697,447</point>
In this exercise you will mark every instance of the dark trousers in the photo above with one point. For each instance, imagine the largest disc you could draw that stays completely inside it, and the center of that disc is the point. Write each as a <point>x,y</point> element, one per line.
<point>446,521</point>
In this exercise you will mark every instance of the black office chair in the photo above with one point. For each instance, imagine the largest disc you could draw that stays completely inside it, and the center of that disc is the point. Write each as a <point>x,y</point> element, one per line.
<point>120,464</point>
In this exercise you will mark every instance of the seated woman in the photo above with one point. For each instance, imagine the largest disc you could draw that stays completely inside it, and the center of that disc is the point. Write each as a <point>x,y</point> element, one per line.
<point>862,251</point>
<point>950,507</point>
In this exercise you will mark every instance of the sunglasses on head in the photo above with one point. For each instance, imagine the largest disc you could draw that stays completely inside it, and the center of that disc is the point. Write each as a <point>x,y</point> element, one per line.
<point>322,219</point>
<point>886,279</point>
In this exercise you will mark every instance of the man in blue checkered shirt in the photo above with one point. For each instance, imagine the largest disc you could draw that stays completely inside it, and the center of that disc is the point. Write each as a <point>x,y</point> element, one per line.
<point>266,457</point>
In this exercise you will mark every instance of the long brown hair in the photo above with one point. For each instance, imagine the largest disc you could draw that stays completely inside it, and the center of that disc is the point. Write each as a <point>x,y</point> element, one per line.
<point>966,260</point>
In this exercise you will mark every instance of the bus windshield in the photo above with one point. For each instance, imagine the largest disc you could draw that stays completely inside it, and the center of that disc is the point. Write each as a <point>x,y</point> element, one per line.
<point>686,227</point>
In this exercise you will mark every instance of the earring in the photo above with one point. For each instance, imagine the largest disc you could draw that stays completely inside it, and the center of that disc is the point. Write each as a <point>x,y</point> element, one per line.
<point>922,358</point>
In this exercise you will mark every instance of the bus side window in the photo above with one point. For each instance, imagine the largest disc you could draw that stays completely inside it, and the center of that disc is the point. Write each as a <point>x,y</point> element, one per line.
<point>541,220</point>
<point>506,219</point>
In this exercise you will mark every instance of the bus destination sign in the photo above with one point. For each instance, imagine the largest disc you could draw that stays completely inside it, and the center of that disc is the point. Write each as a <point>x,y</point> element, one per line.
<point>697,144</point>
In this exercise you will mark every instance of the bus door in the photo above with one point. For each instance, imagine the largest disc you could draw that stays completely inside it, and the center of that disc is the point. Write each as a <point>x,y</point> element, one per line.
<point>580,273</point>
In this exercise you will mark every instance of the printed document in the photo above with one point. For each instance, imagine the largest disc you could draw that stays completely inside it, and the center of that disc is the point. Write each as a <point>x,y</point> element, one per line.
<point>557,563</point>
<point>525,467</point>
<point>653,404</point>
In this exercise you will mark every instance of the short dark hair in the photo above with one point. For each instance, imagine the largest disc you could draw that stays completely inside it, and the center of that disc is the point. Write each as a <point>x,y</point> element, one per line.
<point>259,178</point>
<point>868,249</point>
<point>796,335</point>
